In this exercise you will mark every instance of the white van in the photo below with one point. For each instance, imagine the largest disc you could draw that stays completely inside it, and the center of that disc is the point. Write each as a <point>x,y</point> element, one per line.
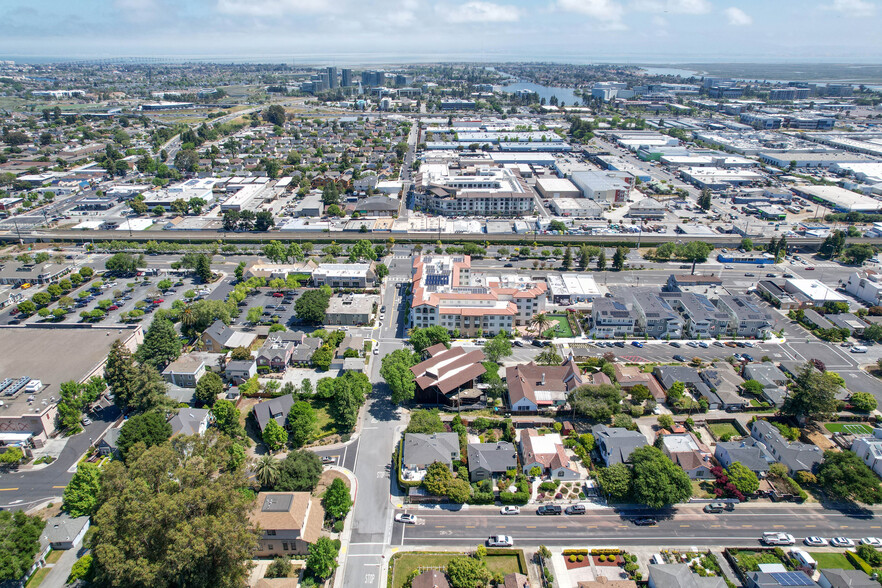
<point>859,349</point>
<point>803,558</point>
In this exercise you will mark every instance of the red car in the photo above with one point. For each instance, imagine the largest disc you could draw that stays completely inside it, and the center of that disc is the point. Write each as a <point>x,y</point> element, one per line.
<point>158,301</point>
<point>810,269</point>
<point>14,311</point>
<point>277,295</point>
<point>113,307</point>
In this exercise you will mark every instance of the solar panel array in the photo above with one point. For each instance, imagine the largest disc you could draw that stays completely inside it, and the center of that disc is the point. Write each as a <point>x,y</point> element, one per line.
<point>14,387</point>
<point>791,578</point>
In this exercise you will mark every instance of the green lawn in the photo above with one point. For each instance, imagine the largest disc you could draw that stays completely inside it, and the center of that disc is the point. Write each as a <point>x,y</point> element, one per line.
<point>54,556</point>
<point>720,429</point>
<point>561,329</point>
<point>702,489</point>
<point>831,560</point>
<point>407,562</point>
<point>848,428</point>
<point>37,578</point>
<point>505,564</point>
<point>325,424</point>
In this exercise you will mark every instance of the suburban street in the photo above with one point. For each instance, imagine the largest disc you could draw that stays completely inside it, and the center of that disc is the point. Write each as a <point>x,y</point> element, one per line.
<point>681,526</point>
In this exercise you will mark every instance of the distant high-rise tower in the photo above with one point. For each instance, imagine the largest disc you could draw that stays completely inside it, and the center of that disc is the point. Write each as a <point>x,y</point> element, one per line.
<point>346,77</point>
<point>332,78</point>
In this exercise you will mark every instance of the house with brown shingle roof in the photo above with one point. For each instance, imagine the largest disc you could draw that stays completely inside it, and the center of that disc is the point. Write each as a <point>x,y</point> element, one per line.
<point>533,387</point>
<point>289,522</point>
<point>629,376</point>
<point>546,452</point>
<point>448,376</point>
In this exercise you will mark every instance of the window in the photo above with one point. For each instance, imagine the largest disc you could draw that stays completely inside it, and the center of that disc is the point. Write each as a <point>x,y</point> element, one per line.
<point>270,532</point>
<point>284,547</point>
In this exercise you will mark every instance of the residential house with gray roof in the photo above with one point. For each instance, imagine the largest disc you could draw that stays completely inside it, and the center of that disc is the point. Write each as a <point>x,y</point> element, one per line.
<point>835,578</point>
<point>611,317</point>
<point>795,456</point>
<point>703,319</point>
<point>274,408</point>
<point>655,317</point>
<point>219,337</point>
<point>190,421</point>
<point>421,450</point>
<point>680,576</point>
<point>748,452</point>
<point>490,459</point>
<point>725,385</point>
<point>746,317</point>
<point>773,380</point>
<point>615,444</point>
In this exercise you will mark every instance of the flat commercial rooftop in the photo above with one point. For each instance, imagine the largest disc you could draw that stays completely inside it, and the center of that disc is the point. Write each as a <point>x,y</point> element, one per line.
<point>53,356</point>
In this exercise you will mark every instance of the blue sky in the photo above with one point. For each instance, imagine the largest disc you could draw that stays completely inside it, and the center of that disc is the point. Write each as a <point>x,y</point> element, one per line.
<point>354,31</point>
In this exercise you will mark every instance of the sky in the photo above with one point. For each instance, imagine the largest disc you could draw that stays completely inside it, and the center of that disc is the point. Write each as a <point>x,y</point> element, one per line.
<point>353,32</point>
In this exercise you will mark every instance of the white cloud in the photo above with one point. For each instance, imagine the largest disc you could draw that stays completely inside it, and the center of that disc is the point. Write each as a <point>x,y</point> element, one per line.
<point>274,8</point>
<point>672,6</point>
<point>606,11</point>
<point>737,17</point>
<point>477,11</point>
<point>853,8</point>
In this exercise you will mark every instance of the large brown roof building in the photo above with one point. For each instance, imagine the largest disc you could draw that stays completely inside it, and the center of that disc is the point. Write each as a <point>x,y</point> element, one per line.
<point>448,376</point>
<point>289,522</point>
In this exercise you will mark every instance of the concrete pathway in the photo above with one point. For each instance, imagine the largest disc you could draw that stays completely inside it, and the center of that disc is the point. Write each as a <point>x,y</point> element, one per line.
<point>559,569</point>
<point>60,570</point>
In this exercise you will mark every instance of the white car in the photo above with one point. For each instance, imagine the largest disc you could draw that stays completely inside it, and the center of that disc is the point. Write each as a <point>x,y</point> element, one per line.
<point>874,541</point>
<point>770,538</point>
<point>816,542</point>
<point>510,510</point>
<point>692,344</point>
<point>841,542</point>
<point>500,541</point>
<point>406,518</point>
<point>703,344</point>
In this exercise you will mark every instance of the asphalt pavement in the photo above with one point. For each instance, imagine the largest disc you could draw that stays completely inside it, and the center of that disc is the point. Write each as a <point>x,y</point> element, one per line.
<point>681,526</point>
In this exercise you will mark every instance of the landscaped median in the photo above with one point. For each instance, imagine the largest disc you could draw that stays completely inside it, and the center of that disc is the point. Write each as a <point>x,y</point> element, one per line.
<point>496,563</point>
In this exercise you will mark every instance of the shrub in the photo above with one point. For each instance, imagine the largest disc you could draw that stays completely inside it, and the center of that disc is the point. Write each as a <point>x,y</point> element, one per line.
<point>572,558</point>
<point>580,557</point>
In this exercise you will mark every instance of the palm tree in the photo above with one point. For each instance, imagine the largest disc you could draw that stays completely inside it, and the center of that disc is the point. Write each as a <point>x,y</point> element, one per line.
<point>541,323</point>
<point>188,318</point>
<point>266,470</point>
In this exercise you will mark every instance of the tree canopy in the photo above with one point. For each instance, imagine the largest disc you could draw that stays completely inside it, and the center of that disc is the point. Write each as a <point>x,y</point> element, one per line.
<point>337,500</point>
<point>812,395</point>
<point>149,428</point>
<point>843,475</point>
<point>497,348</point>
<point>425,422</point>
<point>440,481</point>
<point>207,389</point>
<point>81,493</point>
<point>302,422</point>
<point>658,482</point>
<point>299,472</point>
<point>395,369</point>
<point>422,339</point>
<point>598,403</point>
<point>19,543</point>
<point>313,304</point>
<point>173,515</point>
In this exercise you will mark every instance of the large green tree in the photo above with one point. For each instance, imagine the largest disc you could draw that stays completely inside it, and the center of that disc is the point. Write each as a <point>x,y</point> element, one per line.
<point>615,481</point>
<point>174,515</point>
<point>337,500</point>
<point>843,475</point>
<point>497,348</point>
<point>299,472</point>
<point>812,394</point>
<point>422,339</point>
<point>207,389</point>
<point>274,435</point>
<point>467,572</point>
<point>19,543</point>
<point>658,482</point>
<point>598,403</point>
<point>321,558</point>
<point>161,344</point>
<point>81,493</point>
<point>149,428</point>
<point>302,422</point>
<point>226,419</point>
<point>439,481</point>
<point>313,304</point>
<point>425,422</point>
<point>744,480</point>
<point>395,369</point>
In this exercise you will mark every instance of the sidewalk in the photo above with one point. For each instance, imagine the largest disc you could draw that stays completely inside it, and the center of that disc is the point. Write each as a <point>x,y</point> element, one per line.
<point>60,570</point>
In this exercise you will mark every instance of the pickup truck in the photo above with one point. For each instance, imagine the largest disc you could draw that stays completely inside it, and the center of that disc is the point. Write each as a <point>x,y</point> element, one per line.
<point>770,538</point>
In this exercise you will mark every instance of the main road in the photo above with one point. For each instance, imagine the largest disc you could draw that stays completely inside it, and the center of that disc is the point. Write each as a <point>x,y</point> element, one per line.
<point>362,558</point>
<point>685,525</point>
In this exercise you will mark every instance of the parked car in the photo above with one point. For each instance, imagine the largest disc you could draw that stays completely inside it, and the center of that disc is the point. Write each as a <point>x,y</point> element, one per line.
<point>746,357</point>
<point>858,349</point>
<point>816,542</point>
<point>500,541</point>
<point>518,343</point>
<point>788,275</point>
<point>576,509</point>
<point>841,542</point>
<point>619,343</point>
<point>113,307</point>
<point>874,541</point>
<point>645,522</point>
<point>810,268</point>
<point>770,275</point>
<point>549,509</point>
<point>406,518</point>
<point>86,421</point>
<point>510,510</point>
<point>636,343</point>
<point>770,538</point>
<point>717,507</point>
<point>703,344</point>
<point>278,295</point>
<point>675,344</point>
<point>326,459</point>
<point>680,358</point>
<point>536,343</point>
<point>692,344</point>
<point>719,343</point>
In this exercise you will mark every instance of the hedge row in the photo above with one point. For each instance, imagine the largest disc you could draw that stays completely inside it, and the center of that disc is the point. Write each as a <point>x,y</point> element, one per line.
<point>858,561</point>
<point>403,484</point>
